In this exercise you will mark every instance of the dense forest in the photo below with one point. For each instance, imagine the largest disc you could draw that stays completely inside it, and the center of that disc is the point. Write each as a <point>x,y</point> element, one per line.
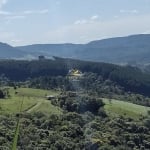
<point>131,78</point>
<point>92,84</point>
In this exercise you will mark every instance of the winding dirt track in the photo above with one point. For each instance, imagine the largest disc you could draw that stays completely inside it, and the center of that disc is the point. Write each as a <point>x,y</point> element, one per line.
<point>34,107</point>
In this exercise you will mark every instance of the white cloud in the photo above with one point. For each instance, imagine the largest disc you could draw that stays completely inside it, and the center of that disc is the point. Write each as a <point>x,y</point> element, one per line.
<point>83,21</point>
<point>16,41</point>
<point>11,38</point>
<point>116,16</point>
<point>86,21</point>
<point>30,12</point>
<point>13,17</point>
<point>83,33</point>
<point>2,3</point>
<point>95,17</point>
<point>44,11</point>
<point>134,11</point>
<point>5,13</point>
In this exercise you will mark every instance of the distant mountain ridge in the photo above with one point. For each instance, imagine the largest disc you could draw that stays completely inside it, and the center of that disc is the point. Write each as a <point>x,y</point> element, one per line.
<point>129,49</point>
<point>9,52</point>
<point>61,50</point>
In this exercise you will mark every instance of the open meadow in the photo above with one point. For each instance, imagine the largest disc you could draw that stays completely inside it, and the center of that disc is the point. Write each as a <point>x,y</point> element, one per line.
<point>32,100</point>
<point>116,107</point>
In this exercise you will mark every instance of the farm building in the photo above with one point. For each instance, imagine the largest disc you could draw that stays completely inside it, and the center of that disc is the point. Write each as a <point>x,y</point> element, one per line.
<point>50,97</point>
<point>75,73</point>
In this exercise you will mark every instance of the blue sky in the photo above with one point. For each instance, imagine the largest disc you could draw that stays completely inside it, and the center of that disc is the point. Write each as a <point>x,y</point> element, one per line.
<point>71,21</point>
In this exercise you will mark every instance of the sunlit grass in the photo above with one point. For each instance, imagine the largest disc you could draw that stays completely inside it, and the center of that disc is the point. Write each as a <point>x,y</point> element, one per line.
<point>32,98</point>
<point>12,105</point>
<point>30,92</point>
<point>116,107</point>
<point>47,108</point>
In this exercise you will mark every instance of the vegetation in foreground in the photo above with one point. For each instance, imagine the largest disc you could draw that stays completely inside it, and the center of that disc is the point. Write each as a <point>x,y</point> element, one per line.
<point>91,112</point>
<point>73,122</point>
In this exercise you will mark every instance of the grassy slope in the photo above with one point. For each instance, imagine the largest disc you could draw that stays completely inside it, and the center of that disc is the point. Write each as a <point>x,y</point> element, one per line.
<point>125,108</point>
<point>31,99</point>
<point>34,92</point>
<point>47,108</point>
<point>34,101</point>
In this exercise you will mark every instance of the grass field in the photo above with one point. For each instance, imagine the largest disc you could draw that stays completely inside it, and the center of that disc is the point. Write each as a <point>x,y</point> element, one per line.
<point>33,101</point>
<point>46,107</point>
<point>116,107</point>
<point>33,92</point>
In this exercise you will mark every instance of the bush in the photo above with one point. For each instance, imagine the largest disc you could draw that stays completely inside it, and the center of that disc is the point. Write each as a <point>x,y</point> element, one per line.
<point>102,113</point>
<point>2,95</point>
<point>147,123</point>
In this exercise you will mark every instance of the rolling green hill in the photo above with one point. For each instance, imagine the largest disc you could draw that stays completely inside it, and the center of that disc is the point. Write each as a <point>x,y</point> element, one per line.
<point>33,101</point>
<point>39,124</point>
<point>116,107</point>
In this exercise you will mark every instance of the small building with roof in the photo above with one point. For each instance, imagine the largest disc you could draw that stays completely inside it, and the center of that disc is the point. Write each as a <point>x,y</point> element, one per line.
<point>75,73</point>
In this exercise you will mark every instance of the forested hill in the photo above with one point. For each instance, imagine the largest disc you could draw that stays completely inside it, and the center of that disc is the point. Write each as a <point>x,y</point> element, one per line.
<point>61,50</point>
<point>133,49</point>
<point>130,49</point>
<point>132,79</point>
<point>7,51</point>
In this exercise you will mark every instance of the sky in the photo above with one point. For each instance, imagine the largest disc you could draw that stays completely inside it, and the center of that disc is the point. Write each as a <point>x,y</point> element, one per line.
<point>24,22</point>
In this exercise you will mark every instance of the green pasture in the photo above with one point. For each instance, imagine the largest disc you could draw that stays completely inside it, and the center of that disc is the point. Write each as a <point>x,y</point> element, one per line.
<point>116,107</point>
<point>33,101</point>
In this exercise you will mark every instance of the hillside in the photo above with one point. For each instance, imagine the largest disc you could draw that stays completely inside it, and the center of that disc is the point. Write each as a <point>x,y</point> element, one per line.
<point>43,124</point>
<point>7,51</point>
<point>132,79</point>
<point>130,49</point>
<point>33,101</point>
<point>48,110</point>
<point>121,50</point>
<point>61,50</point>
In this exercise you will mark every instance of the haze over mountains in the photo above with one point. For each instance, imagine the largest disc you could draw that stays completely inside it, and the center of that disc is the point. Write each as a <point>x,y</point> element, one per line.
<point>7,51</point>
<point>130,49</point>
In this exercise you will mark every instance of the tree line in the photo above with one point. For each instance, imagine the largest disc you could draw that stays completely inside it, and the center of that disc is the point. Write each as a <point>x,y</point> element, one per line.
<point>131,78</point>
